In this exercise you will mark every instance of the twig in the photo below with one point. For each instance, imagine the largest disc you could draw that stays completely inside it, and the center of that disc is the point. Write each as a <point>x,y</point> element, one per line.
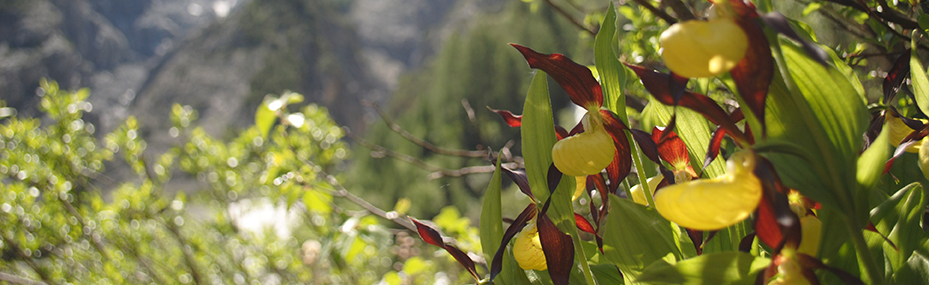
<point>661,14</point>
<point>188,255</point>
<point>410,137</point>
<point>683,12</point>
<point>28,259</point>
<point>470,170</point>
<point>19,280</point>
<point>391,153</point>
<point>340,191</point>
<point>571,19</point>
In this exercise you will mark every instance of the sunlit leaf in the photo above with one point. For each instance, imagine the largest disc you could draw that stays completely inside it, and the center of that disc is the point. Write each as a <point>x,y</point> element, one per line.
<point>612,73</point>
<point>826,118</point>
<point>718,268</point>
<point>900,216</point>
<point>635,236</point>
<point>871,160</point>
<point>920,80</point>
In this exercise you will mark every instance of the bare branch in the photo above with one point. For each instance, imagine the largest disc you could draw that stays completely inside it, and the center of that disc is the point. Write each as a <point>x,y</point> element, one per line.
<point>471,170</point>
<point>410,137</point>
<point>19,280</point>
<point>571,19</point>
<point>661,14</point>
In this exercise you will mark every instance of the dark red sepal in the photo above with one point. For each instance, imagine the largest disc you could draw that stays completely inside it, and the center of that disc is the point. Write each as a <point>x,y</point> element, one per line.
<point>809,262</point>
<point>621,165</point>
<point>521,179</point>
<point>775,223</point>
<point>432,236</point>
<point>527,214</point>
<point>429,235</point>
<point>510,119</point>
<point>657,84</point>
<point>752,75</point>
<point>558,249</point>
<point>871,227</point>
<point>583,224</point>
<point>575,79</point>
<point>716,141</point>
<point>896,76</point>
<point>670,147</point>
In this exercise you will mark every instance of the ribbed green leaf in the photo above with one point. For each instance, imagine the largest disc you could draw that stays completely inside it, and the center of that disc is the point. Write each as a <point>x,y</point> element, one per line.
<point>871,162</point>
<point>826,117</point>
<point>612,73</point>
<point>538,136</point>
<point>732,267</point>
<point>899,217</point>
<point>491,227</point>
<point>920,81</point>
<point>635,236</point>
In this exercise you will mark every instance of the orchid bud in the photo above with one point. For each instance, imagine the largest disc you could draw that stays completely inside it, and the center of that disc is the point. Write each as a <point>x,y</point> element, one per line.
<point>585,153</point>
<point>703,48</point>
<point>712,204</point>
<point>527,249</point>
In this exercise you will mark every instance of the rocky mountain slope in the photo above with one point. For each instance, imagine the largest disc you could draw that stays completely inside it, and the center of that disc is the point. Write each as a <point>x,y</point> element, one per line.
<point>219,56</point>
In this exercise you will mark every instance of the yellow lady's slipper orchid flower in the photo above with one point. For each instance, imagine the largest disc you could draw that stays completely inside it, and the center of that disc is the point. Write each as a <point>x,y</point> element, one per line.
<point>712,204</point>
<point>581,187</point>
<point>924,157</point>
<point>898,131</point>
<point>703,48</point>
<point>789,270</point>
<point>811,229</point>
<point>527,249</point>
<point>585,153</point>
<point>639,196</point>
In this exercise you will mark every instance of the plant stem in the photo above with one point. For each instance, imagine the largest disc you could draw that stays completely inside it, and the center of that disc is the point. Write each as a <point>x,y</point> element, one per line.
<point>643,180</point>
<point>864,253</point>
<point>580,256</point>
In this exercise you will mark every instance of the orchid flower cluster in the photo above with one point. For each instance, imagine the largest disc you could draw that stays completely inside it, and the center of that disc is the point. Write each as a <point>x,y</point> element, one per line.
<point>795,165</point>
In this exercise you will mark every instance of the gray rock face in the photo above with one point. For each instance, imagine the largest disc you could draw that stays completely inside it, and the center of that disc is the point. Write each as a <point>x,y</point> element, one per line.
<point>140,56</point>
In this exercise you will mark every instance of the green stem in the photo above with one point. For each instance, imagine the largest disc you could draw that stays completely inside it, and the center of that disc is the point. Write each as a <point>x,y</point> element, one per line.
<point>643,180</point>
<point>581,257</point>
<point>864,253</point>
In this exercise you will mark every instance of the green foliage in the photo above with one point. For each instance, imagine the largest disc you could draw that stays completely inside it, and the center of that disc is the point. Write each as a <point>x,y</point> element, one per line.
<point>474,63</point>
<point>63,220</point>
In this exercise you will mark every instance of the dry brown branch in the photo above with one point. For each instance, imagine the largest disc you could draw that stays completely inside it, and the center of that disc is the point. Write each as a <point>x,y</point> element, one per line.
<point>410,137</point>
<point>19,280</point>
<point>658,12</point>
<point>571,19</point>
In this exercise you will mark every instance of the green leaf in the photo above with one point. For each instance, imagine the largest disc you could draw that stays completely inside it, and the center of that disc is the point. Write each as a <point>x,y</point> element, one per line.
<point>612,73</point>
<point>818,109</point>
<point>538,135</point>
<point>810,8</point>
<point>899,218</point>
<point>732,267</point>
<point>915,271</point>
<point>491,227</point>
<point>871,162</point>
<point>318,201</point>
<point>264,118</point>
<point>635,236</point>
<point>607,274</point>
<point>920,80</point>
